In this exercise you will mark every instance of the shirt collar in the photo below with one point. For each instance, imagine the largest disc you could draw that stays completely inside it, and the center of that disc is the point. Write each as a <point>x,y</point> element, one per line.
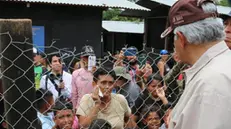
<point>205,59</point>
<point>43,116</point>
<point>40,114</point>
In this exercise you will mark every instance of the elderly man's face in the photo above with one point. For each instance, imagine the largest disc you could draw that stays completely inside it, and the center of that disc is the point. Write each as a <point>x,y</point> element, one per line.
<point>228,32</point>
<point>179,42</point>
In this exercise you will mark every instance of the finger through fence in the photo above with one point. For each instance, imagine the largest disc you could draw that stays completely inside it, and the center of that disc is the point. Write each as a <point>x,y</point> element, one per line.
<point>133,89</point>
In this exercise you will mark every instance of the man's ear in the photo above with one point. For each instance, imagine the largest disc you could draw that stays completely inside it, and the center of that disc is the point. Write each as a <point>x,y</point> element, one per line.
<point>94,83</point>
<point>182,38</point>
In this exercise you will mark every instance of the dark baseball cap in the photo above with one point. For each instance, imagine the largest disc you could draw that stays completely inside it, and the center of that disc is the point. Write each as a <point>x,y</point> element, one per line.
<point>225,16</point>
<point>185,12</point>
<point>87,51</point>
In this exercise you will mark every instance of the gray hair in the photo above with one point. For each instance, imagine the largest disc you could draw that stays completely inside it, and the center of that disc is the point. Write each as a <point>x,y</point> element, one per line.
<point>204,31</point>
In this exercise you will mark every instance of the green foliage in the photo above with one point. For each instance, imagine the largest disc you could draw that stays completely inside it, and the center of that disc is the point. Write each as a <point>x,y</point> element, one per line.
<point>224,3</point>
<point>113,15</point>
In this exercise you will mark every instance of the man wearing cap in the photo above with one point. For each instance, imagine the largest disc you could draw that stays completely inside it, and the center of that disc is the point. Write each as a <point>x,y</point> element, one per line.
<point>82,78</point>
<point>227,21</point>
<point>128,58</point>
<point>126,86</point>
<point>39,71</point>
<point>199,41</point>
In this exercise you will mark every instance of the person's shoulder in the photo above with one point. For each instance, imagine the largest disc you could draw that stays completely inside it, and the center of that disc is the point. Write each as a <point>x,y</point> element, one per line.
<point>66,74</point>
<point>44,76</point>
<point>87,97</point>
<point>118,97</point>
<point>212,79</point>
<point>214,72</point>
<point>134,87</point>
<point>78,71</point>
<point>160,62</point>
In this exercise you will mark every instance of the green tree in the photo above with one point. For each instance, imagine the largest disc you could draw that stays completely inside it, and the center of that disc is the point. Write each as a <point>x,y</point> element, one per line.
<point>224,3</point>
<point>113,15</point>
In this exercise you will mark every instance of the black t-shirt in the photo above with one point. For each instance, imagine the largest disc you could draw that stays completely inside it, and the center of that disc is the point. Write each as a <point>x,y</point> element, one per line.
<point>143,100</point>
<point>141,125</point>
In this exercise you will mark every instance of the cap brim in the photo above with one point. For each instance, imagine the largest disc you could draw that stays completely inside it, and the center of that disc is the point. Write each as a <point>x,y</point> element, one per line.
<point>166,32</point>
<point>126,76</point>
<point>225,16</point>
<point>88,54</point>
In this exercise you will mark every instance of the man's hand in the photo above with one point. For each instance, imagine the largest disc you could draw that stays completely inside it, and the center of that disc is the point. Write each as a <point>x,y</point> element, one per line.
<point>94,68</point>
<point>121,55</point>
<point>61,85</point>
<point>139,72</point>
<point>161,94</point>
<point>95,96</point>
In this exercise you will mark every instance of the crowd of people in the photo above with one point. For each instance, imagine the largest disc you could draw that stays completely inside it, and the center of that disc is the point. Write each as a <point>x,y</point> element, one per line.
<point>145,94</point>
<point>118,94</point>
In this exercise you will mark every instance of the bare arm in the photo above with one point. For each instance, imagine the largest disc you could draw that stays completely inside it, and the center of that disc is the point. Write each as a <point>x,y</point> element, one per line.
<point>74,91</point>
<point>85,121</point>
<point>160,66</point>
<point>132,122</point>
<point>119,61</point>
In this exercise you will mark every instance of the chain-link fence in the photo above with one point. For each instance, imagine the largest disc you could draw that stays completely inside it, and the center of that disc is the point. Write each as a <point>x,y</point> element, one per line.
<point>133,89</point>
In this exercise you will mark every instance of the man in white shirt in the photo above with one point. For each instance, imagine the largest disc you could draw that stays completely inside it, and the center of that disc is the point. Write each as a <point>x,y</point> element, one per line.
<point>199,41</point>
<point>57,81</point>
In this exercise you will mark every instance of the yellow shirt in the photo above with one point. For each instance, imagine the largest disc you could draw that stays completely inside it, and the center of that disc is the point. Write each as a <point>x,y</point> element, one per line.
<point>114,114</point>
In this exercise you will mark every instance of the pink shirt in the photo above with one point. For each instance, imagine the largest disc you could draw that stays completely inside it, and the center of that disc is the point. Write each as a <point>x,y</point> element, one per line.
<point>76,123</point>
<point>81,85</point>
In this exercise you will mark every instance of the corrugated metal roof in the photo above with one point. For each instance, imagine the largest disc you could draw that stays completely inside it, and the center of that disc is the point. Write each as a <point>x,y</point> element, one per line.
<point>221,9</point>
<point>97,3</point>
<point>123,27</point>
<point>165,2</point>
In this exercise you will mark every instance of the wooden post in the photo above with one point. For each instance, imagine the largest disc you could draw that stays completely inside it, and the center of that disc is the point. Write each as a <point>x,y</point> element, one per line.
<point>145,36</point>
<point>166,39</point>
<point>18,73</point>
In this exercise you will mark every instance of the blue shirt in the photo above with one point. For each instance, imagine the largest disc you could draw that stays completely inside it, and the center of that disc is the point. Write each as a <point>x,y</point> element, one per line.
<point>131,92</point>
<point>46,121</point>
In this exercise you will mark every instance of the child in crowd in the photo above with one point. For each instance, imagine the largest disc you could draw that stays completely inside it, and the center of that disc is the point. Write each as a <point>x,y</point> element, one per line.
<point>150,118</point>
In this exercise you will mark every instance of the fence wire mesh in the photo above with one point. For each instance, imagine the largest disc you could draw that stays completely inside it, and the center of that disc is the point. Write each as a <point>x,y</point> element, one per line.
<point>132,89</point>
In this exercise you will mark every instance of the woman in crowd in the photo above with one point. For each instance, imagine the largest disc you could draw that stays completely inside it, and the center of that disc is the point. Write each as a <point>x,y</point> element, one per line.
<point>162,64</point>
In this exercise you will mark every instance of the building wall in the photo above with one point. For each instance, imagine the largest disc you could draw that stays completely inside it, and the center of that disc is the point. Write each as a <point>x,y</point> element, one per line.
<point>155,27</point>
<point>156,24</point>
<point>116,41</point>
<point>69,26</point>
